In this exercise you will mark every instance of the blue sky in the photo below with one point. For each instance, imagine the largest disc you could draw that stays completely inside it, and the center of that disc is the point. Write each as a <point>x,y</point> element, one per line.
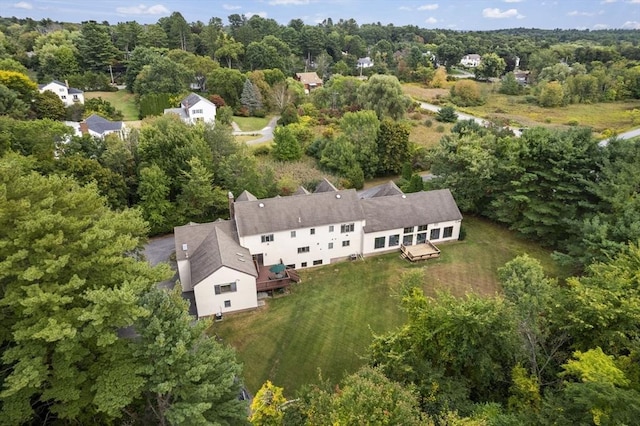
<point>453,14</point>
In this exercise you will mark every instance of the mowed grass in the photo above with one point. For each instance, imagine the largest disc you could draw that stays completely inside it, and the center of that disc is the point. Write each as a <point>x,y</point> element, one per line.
<point>327,321</point>
<point>250,124</point>
<point>121,100</point>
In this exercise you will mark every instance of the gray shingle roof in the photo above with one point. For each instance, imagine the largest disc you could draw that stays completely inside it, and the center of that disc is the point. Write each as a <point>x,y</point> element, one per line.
<point>389,188</point>
<point>325,186</point>
<point>301,191</point>
<point>302,211</point>
<point>101,125</point>
<point>178,111</point>
<point>211,246</point>
<point>192,99</point>
<point>246,196</point>
<point>401,211</point>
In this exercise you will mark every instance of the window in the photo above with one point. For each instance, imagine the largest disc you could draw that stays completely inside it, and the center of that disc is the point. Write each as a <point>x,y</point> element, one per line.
<point>422,237</point>
<point>303,249</point>
<point>379,242</point>
<point>435,234</point>
<point>303,265</point>
<point>293,234</point>
<point>408,230</point>
<point>330,246</point>
<point>267,238</point>
<point>447,232</point>
<point>63,97</point>
<point>291,266</point>
<point>225,288</point>
<point>317,262</point>
<point>407,240</point>
<point>346,243</point>
<point>227,303</point>
<point>312,231</point>
<point>422,228</point>
<point>75,96</point>
<point>196,111</point>
<point>394,240</point>
<point>347,227</point>
<point>61,90</point>
<point>330,228</point>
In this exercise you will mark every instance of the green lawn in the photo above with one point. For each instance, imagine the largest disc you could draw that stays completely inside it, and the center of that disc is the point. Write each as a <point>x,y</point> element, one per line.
<point>327,321</point>
<point>250,124</point>
<point>122,100</point>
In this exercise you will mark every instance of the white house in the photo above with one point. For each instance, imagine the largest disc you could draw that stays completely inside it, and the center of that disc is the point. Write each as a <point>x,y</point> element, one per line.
<point>365,62</point>
<point>100,127</point>
<point>300,231</point>
<point>471,60</point>
<point>195,108</point>
<point>68,95</point>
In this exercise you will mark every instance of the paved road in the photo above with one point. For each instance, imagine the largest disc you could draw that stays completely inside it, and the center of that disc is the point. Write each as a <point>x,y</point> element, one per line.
<point>463,116</point>
<point>266,134</point>
<point>158,250</point>
<point>633,133</point>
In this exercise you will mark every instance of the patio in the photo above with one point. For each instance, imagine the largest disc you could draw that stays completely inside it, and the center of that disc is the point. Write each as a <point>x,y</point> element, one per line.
<point>274,277</point>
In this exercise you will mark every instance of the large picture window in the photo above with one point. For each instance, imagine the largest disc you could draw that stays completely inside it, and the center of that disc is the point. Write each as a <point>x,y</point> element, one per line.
<point>394,240</point>
<point>447,232</point>
<point>266,238</point>
<point>347,227</point>
<point>379,242</point>
<point>435,234</point>
<point>407,240</point>
<point>422,237</point>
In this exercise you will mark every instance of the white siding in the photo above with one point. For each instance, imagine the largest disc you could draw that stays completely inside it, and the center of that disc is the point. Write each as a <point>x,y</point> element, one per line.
<point>184,269</point>
<point>369,239</point>
<point>286,247</point>
<point>209,303</point>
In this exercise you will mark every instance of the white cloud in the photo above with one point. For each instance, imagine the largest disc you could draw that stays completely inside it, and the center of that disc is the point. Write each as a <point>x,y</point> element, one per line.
<point>288,2</point>
<point>231,7</point>
<point>631,25</point>
<point>576,13</point>
<point>156,9</point>
<point>608,1</point>
<point>634,1</point>
<point>23,5</point>
<point>404,8</point>
<point>260,14</point>
<point>496,13</point>
<point>513,1</point>
<point>431,20</point>
<point>433,6</point>
<point>600,26</point>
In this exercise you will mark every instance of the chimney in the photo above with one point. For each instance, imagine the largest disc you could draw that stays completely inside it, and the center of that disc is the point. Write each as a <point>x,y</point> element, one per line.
<point>232,210</point>
<point>66,82</point>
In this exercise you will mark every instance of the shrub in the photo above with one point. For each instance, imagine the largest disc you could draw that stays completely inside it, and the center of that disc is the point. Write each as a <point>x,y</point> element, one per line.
<point>262,150</point>
<point>463,233</point>
<point>217,101</point>
<point>428,122</point>
<point>447,114</point>
<point>466,93</point>
<point>573,123</point>
<point>224,115</point>
<point>440,128</point>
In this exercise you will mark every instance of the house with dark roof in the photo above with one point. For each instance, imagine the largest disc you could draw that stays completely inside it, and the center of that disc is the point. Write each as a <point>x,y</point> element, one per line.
<point>365,62</point>
<point>194,108</point>
<point>310,80</point>
<point>100,127</point>
<point>303,230</point>
<point>68,95</point>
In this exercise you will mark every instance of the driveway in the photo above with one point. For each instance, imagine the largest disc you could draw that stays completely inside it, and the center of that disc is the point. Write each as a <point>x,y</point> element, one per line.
<point>463,116</point>
<point>159,250</point>
<point>626,135</point>
<point>266,134</point>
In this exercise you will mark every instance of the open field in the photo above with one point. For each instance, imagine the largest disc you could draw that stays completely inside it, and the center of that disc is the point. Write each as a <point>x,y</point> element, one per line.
<point>250,124</point>
<point>515,110</point>
<point>122,100</point>
<point>327,321</point>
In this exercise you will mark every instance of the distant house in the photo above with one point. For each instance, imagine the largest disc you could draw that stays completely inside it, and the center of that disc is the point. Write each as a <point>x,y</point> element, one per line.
<point>365,62</point>
<point>521,77</point>
<point>68,95</point>
<point>194,108</point>
<point>225,263</point>
<point>310,80</point>
<point>100,127</point>
<point>471,60</point>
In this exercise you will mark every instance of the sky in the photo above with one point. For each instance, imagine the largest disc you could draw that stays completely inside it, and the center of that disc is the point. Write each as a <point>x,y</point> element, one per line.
<point>465,15</point>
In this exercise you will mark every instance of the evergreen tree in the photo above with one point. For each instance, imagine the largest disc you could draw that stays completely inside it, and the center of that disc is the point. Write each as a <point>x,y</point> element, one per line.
<point>95,48</point>
<point>69,282</point>
<point>286,146</point>
<point>251,98</point>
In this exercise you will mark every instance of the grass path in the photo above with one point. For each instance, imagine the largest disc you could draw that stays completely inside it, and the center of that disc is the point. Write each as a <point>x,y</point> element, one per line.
<point>327,321</point>
<point>122,100</point>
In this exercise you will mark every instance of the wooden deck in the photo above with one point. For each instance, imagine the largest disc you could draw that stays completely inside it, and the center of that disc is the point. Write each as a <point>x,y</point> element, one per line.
<point>422,251</point>
<point>268,281</point>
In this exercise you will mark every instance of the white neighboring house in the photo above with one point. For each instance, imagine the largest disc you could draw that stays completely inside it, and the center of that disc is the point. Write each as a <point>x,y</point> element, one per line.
<point>365,62</point>
<point>100,127</point>
<point>68,95</point>
<point>223,263</point>
<point>471,60</point>
<point>194,108</point>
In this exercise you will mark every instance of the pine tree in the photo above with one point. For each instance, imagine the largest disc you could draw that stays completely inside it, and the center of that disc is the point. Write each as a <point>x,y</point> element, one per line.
<point>251,98</point>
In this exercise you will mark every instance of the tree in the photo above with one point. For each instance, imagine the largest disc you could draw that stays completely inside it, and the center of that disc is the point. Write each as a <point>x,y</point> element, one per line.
<point>153,36</point>
<point>95,48</point>
<point>447,114</point>
<point>251,97</point>
<point>140,57</point>
<point>509,85</point>
<point>229,50</point>
<point>11,105</point>
<point>361,129</point>
<point>70,282</point>
<point>103,108</point>
<point>199,199</point>
<point>449,53</point>
<point>491,66</point>
<point>177,30</point>
<point>393,146</point>
<point>57,61</point>
<point>153,191</point>
<point>551,95</point>
<point>189,377</point>
<point>439,78</point>
<point>227,83</point>
<point>266,408</point>
<point>162,75</point>
<point>286,146</point>
<point>24,87</point>
<point>383,94</point>
<point>338,155</point>
<point>466,93</point>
